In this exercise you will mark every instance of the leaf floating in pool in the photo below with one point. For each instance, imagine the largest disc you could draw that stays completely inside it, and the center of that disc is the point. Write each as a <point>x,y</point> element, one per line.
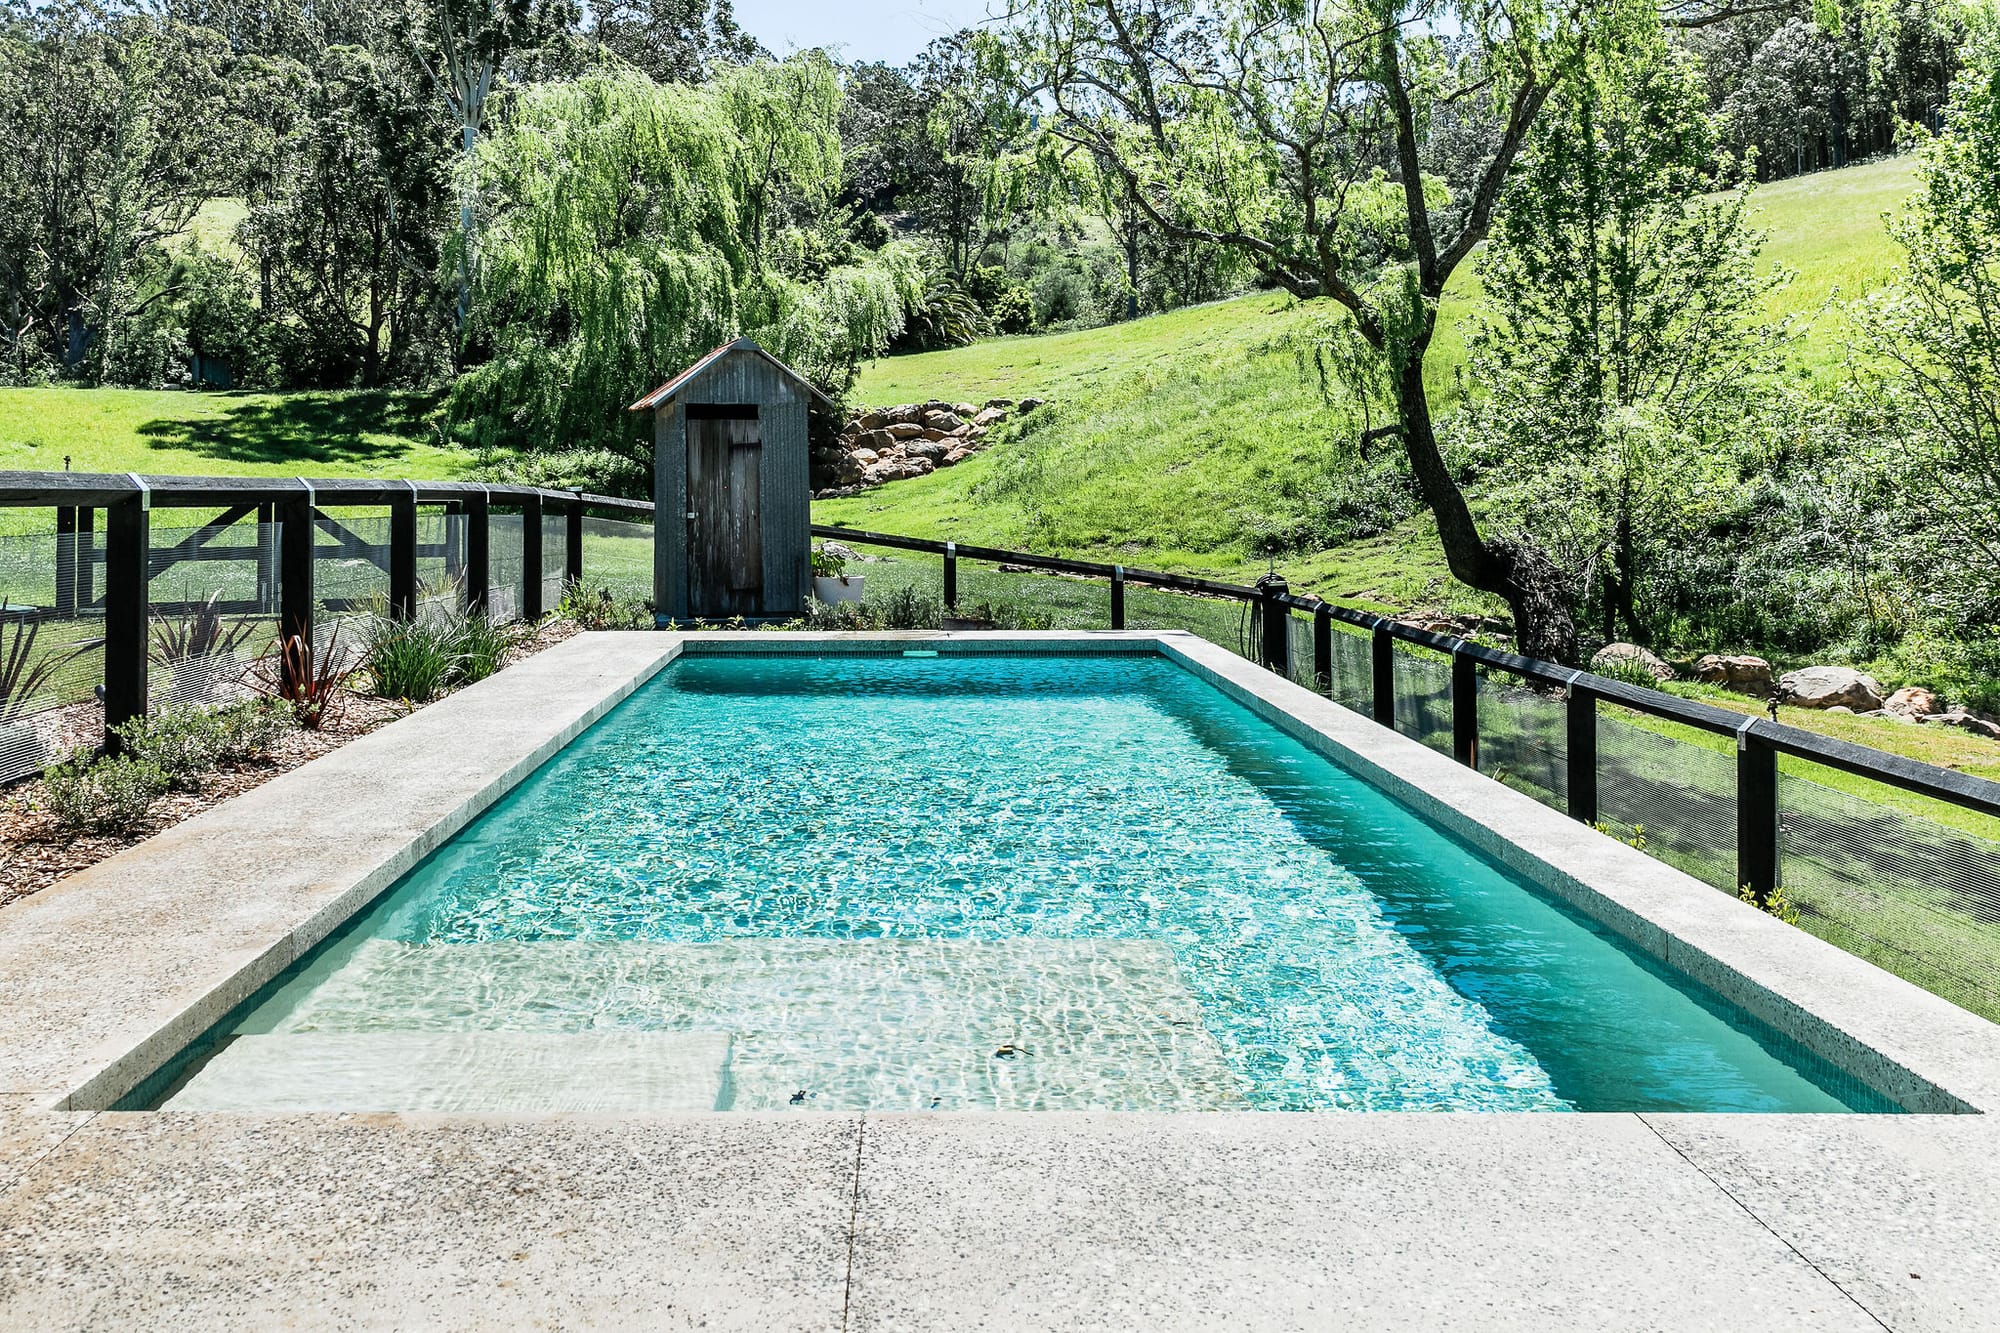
<point>799,1097</point>
<point>1009,1051</point>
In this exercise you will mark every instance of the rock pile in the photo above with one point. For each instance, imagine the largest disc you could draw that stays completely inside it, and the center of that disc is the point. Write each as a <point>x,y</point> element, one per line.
<point>884,444</point>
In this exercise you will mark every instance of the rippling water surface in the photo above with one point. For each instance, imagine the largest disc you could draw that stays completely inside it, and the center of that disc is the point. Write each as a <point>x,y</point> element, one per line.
<point>1026,882</point>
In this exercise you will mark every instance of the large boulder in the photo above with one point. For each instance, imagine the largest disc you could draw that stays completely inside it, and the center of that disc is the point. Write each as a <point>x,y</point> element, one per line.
<point>878,440</point>
<point>931,449</point>
<point>904,430</point>
<point>945,421</point>
<point>1615,655</point>
<point>1751,675</point>
<point>1913,702</point>
<point>1830,687</point>
<point>989,417</point>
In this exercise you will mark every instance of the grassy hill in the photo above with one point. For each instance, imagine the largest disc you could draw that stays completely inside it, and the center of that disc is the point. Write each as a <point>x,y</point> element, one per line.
<point>1184,439</point>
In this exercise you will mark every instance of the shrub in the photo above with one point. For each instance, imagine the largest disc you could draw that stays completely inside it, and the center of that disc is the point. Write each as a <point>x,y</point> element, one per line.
<point>85,793</point>
<point>602,610</point>
<point>185,742</point>
<point>1629,670</point>
<point>312,681</point>
<point>181,743</point>
<point>251,727</point>
<point>482,647</point>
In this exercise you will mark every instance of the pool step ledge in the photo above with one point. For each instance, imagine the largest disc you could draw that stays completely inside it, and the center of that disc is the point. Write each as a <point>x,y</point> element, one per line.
<point>472,1072</point>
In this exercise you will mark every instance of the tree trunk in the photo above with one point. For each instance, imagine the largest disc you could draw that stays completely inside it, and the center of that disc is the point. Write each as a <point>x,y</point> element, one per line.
<point>1516,572</point>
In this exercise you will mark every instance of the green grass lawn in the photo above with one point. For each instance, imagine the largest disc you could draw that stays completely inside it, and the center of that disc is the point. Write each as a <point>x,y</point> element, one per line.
<point>357,433</point>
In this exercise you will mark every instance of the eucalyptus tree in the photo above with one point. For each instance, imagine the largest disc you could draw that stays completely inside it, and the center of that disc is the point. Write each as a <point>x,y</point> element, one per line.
<point>1931,352</point>
<point>1621,356</point>
<point>1295,132</point>
<point>464,47</point>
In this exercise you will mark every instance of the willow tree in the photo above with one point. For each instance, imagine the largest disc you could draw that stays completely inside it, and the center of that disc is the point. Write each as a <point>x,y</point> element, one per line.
<point>1299,133</point>
<point>633,226</point>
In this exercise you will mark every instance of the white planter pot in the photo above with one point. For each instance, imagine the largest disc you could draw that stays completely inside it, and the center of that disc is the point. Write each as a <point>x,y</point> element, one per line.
<point>844,588</point>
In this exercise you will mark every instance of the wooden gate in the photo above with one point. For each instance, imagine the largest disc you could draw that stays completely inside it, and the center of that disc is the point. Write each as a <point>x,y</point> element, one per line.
<point>725,541</point>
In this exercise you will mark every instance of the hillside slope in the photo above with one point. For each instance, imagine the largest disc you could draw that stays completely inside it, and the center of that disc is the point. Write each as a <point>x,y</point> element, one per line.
<point>1187,440</point>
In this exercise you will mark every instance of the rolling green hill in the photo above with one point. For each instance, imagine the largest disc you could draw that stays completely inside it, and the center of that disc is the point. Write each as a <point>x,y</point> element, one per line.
<point>1183,439</point>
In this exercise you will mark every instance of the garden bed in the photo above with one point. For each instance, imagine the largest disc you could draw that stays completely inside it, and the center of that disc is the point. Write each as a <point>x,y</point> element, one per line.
<point>35,852</point>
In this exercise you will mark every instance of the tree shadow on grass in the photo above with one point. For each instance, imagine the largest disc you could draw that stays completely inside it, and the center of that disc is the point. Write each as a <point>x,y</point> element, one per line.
<point>303,428</point>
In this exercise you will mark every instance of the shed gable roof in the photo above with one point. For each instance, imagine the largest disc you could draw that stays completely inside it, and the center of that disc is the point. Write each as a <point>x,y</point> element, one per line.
<point>673,388</point>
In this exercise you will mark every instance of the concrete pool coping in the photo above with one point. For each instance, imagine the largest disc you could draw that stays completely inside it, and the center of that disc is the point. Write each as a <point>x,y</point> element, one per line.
<point>1610,1220</point>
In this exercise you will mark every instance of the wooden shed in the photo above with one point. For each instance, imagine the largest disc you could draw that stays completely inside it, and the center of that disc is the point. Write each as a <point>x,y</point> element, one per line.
<point>730,460</point>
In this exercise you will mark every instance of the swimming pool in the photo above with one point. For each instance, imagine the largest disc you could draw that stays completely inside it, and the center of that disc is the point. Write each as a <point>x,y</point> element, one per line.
<point>975,882</point>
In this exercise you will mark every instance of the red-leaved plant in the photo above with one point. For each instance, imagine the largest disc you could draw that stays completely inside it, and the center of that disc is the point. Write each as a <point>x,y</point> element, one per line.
<point>313,681</point>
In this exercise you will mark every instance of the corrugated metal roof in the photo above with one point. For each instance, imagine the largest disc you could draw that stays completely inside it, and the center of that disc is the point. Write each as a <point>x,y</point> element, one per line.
<point>666,392</point>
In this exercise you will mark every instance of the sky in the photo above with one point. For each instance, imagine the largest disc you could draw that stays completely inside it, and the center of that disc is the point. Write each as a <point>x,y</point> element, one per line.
<point>888,30</point>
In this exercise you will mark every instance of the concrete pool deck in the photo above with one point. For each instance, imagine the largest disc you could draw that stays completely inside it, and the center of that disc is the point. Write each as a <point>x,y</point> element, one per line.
<point>892,1221</point>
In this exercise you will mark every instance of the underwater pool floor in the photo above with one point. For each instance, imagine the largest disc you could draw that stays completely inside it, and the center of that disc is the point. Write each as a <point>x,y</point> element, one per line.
<point>914,1220</point>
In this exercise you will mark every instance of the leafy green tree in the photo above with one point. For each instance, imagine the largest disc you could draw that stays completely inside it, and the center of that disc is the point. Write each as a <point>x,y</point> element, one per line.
<point>673,41</point>
<point>1296,134</point>
<point>118,124</point>
<point>965,177</point>
<point>1931,369</point>
<point>1621,352</point>
<point>345,232</point>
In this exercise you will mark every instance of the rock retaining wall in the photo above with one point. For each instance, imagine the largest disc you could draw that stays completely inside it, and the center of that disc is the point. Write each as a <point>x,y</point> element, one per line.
<point>884,444</point>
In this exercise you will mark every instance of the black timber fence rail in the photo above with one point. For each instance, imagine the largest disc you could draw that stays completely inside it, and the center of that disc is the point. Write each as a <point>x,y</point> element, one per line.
<point>110,581</point>
<point>1757,742</point>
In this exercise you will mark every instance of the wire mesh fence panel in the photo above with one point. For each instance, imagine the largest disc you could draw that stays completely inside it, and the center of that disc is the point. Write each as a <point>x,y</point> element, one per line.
<point>1910,894</point>
<point>1223,621</point>
<point>51,647</point>
<point>1423,697</point>
<point>440,562</point>
<point>1677,795</point>
<point>618,557</point>
<point>1523,740</point>
<point>555,558</point>
<point>505,568</point>
<point>1352,682</point>
<point>1017,599</point>
<point>212,609</point>
<point>1299,647</point>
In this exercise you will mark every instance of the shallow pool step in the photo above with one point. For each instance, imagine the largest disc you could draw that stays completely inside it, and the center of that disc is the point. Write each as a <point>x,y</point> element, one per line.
<point>1018,1024</point>
<point>495,1072</point>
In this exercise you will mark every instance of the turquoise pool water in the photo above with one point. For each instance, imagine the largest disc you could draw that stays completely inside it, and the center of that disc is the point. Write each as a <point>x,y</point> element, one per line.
<point>979,882</point>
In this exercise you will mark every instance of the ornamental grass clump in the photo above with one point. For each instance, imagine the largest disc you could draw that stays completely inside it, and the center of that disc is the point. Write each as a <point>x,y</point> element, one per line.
<point>413,660</point>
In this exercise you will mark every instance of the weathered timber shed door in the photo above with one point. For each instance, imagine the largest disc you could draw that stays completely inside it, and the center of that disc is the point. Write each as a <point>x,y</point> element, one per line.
<point>732,533</point>
<point>725,539</point>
